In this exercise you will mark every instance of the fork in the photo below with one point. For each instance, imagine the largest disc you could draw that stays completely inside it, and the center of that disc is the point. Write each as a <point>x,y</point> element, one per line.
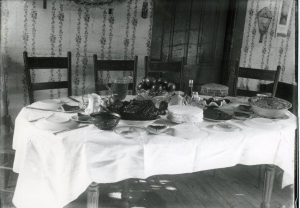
<point>65,130</point>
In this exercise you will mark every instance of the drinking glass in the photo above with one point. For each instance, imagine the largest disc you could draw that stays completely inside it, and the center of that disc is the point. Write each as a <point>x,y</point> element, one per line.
<point>119,88</point>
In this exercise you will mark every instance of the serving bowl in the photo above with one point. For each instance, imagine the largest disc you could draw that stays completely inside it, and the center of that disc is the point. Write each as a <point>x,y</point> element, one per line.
<point>105,120</point>
<point>269,107</point>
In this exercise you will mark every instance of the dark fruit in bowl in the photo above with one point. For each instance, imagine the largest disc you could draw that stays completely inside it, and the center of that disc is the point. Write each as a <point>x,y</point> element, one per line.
<point>147,81</point>
<point>171,87</point>
<point>154,87</point>
<point>160,87</point>
<point>139,86</point>
<point>165,83</point>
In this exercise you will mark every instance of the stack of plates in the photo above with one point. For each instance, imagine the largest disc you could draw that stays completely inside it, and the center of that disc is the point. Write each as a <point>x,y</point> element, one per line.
<point>185,114</point>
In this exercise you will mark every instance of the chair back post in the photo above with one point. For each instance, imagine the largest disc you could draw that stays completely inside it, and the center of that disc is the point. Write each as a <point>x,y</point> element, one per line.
<point>134,75</point>
<point>235,77</point>
<point>69,55</point>
<point>146,65</point>
<point>181,72</point>
<point>28,77</point>
<point>95,70</point>
<point>277,75</point>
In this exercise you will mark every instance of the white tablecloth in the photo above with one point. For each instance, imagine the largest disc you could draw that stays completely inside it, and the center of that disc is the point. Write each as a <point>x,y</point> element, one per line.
<point>55,170</point>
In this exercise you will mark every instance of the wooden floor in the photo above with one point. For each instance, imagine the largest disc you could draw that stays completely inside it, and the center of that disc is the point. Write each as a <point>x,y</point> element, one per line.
<point>235,187</point>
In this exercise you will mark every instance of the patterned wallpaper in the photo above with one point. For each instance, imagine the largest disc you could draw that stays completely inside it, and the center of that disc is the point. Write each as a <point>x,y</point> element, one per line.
<point>273,50</point>
<point>115,31</point>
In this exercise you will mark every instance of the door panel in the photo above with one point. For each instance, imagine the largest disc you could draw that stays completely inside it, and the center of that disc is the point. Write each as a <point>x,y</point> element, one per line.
<point>193,29</point>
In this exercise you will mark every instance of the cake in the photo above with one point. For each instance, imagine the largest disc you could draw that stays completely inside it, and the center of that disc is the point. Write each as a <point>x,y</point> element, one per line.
<point>184,114</point>
<point>213,89</point>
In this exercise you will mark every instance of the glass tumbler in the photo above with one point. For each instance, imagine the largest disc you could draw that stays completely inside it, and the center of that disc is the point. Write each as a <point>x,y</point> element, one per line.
<point>119,88</point>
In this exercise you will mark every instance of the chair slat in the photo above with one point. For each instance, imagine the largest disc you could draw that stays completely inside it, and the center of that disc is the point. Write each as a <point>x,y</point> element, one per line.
<point>115,65</point>
<point>247,93</point>
<point>47,62</point>
<point>257,74</point>
<point>50,85</point>
<point>165,67</point>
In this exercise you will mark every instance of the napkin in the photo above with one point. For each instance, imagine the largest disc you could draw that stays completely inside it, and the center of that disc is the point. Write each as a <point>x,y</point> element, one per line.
<point>94,103</point>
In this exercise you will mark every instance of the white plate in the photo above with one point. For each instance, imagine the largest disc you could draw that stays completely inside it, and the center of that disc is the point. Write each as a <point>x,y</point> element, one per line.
<point>130,132</point>
<point>189,131</point>
<point>224,127</point>
<point>47,104</point>
<point>135,123</point>
<point>56,123</point>
<point>261,123</point>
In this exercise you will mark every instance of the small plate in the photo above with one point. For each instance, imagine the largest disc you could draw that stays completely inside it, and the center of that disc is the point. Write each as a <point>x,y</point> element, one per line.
<point>224,127</point>
<point>70,108</point>
<point>214,120</point>
<point>130,132</point>
<point>156,128</point>
<point>261,123</point>
<point>81,120</point>
<point>241,115</point>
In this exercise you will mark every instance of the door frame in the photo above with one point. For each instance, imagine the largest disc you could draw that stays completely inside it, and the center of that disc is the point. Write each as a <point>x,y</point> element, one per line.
<point>233,39</point>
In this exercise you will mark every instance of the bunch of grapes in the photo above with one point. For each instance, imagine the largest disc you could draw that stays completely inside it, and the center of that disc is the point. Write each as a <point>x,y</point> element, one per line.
<point>156,87</point>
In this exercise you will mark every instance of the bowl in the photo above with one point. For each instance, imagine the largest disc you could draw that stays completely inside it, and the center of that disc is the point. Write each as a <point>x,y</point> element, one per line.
<point>105,120</point>
<point>269,107</point>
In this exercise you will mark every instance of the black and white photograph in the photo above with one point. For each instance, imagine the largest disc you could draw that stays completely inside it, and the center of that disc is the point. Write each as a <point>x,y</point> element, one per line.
<point>149,104</point>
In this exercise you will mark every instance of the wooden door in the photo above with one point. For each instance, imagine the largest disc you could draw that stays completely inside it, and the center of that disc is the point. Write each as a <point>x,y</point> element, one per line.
<point>194,29</point>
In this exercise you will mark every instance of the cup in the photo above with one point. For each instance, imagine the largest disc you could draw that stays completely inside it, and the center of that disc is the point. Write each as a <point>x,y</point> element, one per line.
<point>119,88</point>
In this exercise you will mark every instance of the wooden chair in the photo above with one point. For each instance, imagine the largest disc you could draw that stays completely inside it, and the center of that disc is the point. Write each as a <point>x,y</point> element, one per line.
<point>35,63</point>
<point>259,74</point>
<point>115,65</point>
<point>160,68</point>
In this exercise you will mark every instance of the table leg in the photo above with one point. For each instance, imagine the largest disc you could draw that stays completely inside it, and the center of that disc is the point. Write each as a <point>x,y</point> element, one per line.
<point>93,196</point>
<point>268,186</point>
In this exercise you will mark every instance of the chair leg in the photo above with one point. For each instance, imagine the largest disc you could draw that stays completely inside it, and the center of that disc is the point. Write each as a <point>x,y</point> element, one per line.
<point>261,171</point>
<point>125,193</point>
<point>93,196</point>
<point>268,186</point>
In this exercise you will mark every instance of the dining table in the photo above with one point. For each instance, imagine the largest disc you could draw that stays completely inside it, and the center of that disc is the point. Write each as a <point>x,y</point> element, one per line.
<point>54,168</point>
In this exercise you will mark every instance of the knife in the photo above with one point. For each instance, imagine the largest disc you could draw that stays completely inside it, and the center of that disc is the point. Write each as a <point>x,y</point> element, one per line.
<point>42,109</point>
<point>65,130</point>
